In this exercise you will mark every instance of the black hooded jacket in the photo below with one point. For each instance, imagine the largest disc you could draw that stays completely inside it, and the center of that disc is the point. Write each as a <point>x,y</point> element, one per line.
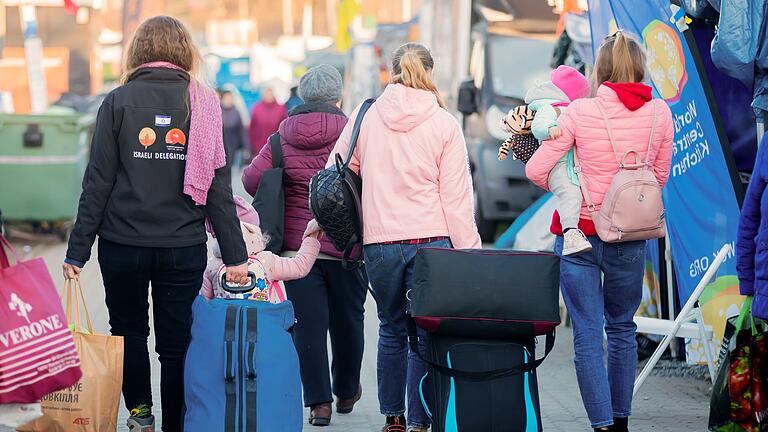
<point>133,186</point>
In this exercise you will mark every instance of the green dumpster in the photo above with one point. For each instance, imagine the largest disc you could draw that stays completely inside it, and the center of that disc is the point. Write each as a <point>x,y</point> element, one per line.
<point>42,161</point>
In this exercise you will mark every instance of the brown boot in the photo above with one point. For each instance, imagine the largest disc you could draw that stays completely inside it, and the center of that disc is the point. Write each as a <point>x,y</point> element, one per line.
<point>345,406</point>
<point>320,415</point>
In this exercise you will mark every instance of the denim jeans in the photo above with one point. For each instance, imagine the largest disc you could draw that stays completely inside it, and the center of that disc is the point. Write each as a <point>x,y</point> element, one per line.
<point>390,270</point>
<point>602,290</point>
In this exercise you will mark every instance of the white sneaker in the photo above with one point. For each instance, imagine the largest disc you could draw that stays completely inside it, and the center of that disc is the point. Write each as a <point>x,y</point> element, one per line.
<point>575,242</point>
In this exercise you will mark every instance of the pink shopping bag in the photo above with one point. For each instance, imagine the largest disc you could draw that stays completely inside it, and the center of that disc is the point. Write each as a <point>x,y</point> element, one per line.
<point>37,353</point>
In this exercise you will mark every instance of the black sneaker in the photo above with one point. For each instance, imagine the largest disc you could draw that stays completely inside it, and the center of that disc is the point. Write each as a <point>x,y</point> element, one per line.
<point>394,424</point>
<point>621,424</point>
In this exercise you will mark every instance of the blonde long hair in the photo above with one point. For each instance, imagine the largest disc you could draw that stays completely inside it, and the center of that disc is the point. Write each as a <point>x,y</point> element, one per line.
<point>162,38</point>
<point>620,58</point>
<point>412,65</point>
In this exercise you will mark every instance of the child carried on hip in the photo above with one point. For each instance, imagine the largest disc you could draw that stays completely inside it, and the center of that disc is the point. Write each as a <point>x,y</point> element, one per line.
<point>545,102</point>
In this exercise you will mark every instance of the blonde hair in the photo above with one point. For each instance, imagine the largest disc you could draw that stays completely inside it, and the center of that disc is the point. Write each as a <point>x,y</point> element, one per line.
<point>620,58</point>
<point>162,38</point>
<point>411,66</point>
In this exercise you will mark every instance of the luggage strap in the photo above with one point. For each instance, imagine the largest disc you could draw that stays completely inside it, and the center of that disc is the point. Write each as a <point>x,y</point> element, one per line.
<point>412,335</point>
<point>230,384</point>
<point>413,342</point>
<point>251,411</point>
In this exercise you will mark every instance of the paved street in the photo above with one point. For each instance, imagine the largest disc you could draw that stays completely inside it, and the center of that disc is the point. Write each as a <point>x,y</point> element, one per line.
<point>664,404</point>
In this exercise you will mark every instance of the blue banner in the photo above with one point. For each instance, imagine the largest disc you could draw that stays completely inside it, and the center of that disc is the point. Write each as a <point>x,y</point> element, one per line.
<point>702,209</point>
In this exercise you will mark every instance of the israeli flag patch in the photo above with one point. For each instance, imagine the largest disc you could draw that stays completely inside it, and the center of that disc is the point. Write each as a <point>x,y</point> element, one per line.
<point>162,121</point>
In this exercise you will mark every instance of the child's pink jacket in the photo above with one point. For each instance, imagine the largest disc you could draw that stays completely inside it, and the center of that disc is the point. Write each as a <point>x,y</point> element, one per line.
<point>277,268</point>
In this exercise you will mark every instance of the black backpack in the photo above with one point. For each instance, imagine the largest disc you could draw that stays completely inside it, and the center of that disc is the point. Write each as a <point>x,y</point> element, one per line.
<point>335,200</point>
<point>269,199</point>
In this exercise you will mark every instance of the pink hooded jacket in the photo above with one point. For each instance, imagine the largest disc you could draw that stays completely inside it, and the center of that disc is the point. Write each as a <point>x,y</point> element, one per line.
<point>412,157</point>
<point>583,125</point>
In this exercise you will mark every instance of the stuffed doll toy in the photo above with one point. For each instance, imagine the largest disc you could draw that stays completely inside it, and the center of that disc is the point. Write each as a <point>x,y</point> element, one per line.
<point>518,122</point>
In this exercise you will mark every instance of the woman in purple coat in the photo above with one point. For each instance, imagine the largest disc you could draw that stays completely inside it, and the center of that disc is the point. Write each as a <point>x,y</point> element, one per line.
<point>329,299</point>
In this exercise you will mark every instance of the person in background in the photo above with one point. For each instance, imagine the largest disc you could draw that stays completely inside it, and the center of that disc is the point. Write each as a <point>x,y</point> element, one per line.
<point>751,251</point>
<point>603,287</point>
<point>417,194</point>
<point>157,170</point>
<point>294,100</point>
<point>265,119</point>
<point>234,131</point>
<point>330,299</point>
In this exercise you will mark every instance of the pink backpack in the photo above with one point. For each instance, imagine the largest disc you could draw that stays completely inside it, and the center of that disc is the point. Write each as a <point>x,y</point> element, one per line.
<point>632,208</point>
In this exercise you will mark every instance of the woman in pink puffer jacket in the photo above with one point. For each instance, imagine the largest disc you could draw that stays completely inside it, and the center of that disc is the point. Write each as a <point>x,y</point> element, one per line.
<point>593,302</point>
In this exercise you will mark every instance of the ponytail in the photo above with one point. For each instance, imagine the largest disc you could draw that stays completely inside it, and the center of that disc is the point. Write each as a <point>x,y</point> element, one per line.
<point>411,67</point>
<point>620,59</point>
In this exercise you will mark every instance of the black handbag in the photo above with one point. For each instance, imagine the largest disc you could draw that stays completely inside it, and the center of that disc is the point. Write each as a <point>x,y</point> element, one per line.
<point>269,200</point>
<point>486,293</point>
<point>491,294</point>
<point>335,200</point>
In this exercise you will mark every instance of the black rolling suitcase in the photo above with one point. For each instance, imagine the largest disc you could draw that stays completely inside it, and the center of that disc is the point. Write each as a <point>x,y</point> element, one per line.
<point>482,311</point>
<point>505,404</point>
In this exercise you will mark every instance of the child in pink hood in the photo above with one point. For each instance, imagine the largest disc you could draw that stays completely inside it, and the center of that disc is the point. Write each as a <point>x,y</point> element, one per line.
<point>275,268</point>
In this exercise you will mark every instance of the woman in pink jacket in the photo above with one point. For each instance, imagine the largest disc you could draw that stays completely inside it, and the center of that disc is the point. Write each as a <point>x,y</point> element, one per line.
<point>417,192</point>
<point>610,302</point>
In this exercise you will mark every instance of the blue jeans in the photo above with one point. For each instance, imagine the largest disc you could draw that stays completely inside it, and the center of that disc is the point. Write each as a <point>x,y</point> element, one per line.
<point>609,302</point>
<point>390,270</point>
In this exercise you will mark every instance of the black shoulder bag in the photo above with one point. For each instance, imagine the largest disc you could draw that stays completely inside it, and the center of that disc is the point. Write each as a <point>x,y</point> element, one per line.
<point>335,200</point>
<point>269,199</point>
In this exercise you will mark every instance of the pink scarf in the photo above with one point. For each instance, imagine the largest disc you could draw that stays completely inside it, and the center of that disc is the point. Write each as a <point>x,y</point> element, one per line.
<point>205,146</point>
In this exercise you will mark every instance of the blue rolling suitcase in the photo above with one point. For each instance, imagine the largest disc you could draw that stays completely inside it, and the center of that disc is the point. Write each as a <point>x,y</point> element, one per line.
<point>241,371</point>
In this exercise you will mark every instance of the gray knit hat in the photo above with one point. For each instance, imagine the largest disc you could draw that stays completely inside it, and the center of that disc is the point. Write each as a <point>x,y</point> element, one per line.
<point>322,83</point>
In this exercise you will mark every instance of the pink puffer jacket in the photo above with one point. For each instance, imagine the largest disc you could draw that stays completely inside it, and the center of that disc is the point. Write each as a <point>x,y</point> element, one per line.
<point>583,125</point>
<point>413,160</point>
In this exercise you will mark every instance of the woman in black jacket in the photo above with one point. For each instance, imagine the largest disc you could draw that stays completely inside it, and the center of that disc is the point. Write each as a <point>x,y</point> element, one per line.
<point>157,169</point>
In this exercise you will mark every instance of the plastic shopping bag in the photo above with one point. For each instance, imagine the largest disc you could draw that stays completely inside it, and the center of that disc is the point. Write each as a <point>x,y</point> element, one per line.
<point>37,353</point>
<point>92,404</point>
<point>16,414</point>
<point>739,402</point>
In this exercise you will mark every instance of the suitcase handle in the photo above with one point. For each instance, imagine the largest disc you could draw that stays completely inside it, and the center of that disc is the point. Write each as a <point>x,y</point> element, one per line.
<point>238,289</point>
<point>413,342</point>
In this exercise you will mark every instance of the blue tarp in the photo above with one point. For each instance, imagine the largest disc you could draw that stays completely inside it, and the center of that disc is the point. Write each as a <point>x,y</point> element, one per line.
<point>740,48</point>
<point>732,99</point>
<point>530,231</point>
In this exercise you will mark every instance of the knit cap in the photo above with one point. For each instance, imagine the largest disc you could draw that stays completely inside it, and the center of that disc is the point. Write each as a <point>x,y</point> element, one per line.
<point>322,83</point>
<point>245,213</point>
<point>571,82</point>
